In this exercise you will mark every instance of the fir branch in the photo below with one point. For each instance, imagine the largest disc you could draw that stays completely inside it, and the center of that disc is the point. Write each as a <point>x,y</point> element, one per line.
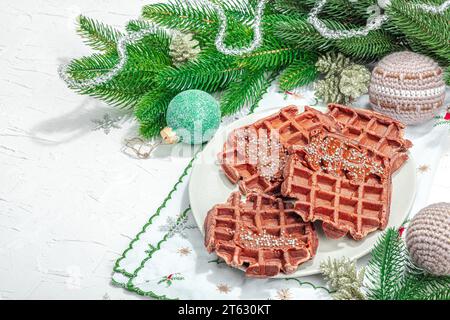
<point>151,110</point>
<point>335,9</point>
<point>98,35</point>
<point>386,266</point>
<point>271,55</point>
<point>181,16</point>
<point>299,31</point>
<point>247,90</point>
<point>301,72</point>
<point>210,72</point>
<point>203,22</point>
<point>418,285</point>
<point>429,30</point>
<point>375,45</point>
<point>291,7</point>
<point>124,90</point>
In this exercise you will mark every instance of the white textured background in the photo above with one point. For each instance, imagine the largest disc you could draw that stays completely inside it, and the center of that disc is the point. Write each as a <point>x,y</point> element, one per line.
<point>70,200</point>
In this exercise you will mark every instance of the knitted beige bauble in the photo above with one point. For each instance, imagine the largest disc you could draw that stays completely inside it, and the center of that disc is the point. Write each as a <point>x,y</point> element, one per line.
<point>407,86</point>
<point>428,239</point>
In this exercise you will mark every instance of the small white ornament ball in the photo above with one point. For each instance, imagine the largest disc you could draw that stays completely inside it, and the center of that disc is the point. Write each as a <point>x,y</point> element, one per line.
<point>407,86</point>
<point>428,239</point>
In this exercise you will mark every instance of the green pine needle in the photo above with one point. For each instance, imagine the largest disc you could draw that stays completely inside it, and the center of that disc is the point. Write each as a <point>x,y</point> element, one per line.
<point>124,90</point>
<point>270,56</point>
<point>391,275</point>
<point>179,15</point>
<point>375,45</point>
<point>300,32</point>
<point>210,72</point>
<point>428,30</point>
<point>248,90</point>
<point>301,72</point>
<point>151,109</point>
<point>98,35</point>
<point>385,268</point>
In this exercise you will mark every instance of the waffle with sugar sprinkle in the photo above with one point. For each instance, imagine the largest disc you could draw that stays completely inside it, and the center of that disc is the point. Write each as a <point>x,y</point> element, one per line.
<point>341,183</point>
<point>259,235</point>
<point>254,156</point>
<point>373,130</point>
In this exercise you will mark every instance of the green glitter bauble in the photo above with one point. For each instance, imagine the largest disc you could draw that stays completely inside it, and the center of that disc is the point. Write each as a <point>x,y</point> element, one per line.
<point>194,115</point>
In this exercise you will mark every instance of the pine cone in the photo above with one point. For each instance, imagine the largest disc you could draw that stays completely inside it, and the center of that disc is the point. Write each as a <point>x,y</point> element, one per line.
<point>332,63</point>
<point>328,91</point>
<point>343,278</point>
<point>183,48</point>
<point>354,81</point>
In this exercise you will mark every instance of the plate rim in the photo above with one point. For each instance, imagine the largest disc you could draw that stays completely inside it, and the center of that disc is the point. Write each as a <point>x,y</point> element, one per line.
<point>258,116</point>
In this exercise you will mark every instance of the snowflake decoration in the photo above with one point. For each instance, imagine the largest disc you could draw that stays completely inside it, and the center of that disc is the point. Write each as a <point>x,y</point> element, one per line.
<point>284,294</point>
<point>184,251</point>
<point>178,226</point>
<point>106,123</point>
<point>423,168</point>
<point>223,288</point>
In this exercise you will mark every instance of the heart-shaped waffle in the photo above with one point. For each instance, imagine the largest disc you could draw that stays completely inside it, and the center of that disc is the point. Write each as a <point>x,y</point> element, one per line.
<point>254,156</point>
<point>342,184</point>
<point>375,131</point>
<point>259,235</point>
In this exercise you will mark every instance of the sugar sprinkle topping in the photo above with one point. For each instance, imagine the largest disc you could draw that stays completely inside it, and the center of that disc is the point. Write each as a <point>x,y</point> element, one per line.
<point>266,240</point>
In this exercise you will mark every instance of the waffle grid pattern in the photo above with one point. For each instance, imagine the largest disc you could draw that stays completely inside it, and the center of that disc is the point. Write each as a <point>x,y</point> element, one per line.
<point>342,206</point>
<point>376,132</point>
<point>227,224</point>
<point>289,127</point>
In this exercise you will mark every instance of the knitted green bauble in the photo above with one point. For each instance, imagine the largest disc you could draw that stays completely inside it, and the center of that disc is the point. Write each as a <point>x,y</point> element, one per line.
<point>354,81</point>
<point>428,239</point>
<point>194,115</point>
<point>183,48</point>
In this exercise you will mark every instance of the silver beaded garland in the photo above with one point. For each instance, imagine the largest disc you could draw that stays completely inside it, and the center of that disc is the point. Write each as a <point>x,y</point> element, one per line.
<point>127,39</point>
<point>257,38</point>
<point>373,23</point>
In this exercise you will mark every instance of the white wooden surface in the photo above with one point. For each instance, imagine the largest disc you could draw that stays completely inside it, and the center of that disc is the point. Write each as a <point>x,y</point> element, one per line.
<point>70,200</point>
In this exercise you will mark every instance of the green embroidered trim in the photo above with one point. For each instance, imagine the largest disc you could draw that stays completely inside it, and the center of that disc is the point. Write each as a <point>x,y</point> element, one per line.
<point>302,283</point>
<point>150,221</point>
<point>130,286</point>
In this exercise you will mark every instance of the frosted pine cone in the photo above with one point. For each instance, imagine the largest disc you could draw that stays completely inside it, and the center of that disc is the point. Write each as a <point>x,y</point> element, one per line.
<point>328,91</point>
<point>354,81</point>
<point>332,63</point>
<point>183,48</point>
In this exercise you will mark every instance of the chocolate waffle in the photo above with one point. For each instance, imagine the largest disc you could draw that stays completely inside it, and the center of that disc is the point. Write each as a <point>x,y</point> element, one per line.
<point>373,130</point>
<point>259,235</point>
<point>342,184</point>
<point>254,155</point>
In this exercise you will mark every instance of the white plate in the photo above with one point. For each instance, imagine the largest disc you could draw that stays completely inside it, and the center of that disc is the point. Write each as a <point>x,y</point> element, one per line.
<point>209,186</point>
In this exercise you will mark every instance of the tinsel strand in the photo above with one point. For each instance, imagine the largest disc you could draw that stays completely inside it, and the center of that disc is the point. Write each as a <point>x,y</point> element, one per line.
<point>133,37</point>
<point>374,24</point>
<point>257,38</point>
<point>129,38</point>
